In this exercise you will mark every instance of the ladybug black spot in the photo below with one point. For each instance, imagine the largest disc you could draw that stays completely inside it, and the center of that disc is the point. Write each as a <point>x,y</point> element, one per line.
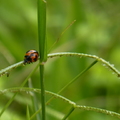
<point>31,56</point>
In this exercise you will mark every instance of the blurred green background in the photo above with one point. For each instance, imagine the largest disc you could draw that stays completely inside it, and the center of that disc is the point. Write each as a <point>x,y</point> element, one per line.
<point>96,31</point>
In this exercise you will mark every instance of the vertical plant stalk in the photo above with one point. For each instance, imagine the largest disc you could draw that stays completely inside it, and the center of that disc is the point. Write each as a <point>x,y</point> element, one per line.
<point>42,48</point>
<point>42,30</point>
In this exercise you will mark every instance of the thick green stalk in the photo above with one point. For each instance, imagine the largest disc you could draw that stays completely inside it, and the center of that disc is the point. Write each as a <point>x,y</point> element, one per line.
<point>42,30</point>
<point>42,48</point>
<point>42,91</point>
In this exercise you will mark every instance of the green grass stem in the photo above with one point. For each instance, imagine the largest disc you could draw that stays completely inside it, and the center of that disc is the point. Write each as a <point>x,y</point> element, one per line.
<point>104,62</point>
<point>42,49</point>
<point>75,106</point>
<point>28,113</point>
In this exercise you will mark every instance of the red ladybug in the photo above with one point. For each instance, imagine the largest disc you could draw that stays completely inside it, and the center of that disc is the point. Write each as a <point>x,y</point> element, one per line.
<point>31,56</point>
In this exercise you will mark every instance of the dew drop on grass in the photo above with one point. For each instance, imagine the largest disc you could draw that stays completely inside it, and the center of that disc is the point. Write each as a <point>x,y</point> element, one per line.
<point>34,90</point>
<point>27,92</point>
<point>112,65</point>
<point>104,65</point>
<point>4,91</point>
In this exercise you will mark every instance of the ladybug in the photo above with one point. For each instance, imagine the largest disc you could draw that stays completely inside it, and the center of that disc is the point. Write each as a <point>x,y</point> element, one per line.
<point>31,56</point>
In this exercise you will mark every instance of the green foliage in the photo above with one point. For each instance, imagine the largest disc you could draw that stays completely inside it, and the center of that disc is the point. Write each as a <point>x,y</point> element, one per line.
<point>96,31</point>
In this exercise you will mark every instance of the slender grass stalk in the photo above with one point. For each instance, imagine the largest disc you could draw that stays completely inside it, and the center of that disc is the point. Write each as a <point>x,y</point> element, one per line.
<point>80,74</point>
<point>62,34</point>
<point>42,48</point>
<point>73,80</point>
<point>66,116</point>
<point>34,101</point>
<point>7,104</point>
<point>28,113</point>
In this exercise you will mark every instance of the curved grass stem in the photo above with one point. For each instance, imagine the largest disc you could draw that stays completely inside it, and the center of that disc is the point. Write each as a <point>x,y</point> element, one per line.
<point>74,105</point>
<point>104,62</point>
